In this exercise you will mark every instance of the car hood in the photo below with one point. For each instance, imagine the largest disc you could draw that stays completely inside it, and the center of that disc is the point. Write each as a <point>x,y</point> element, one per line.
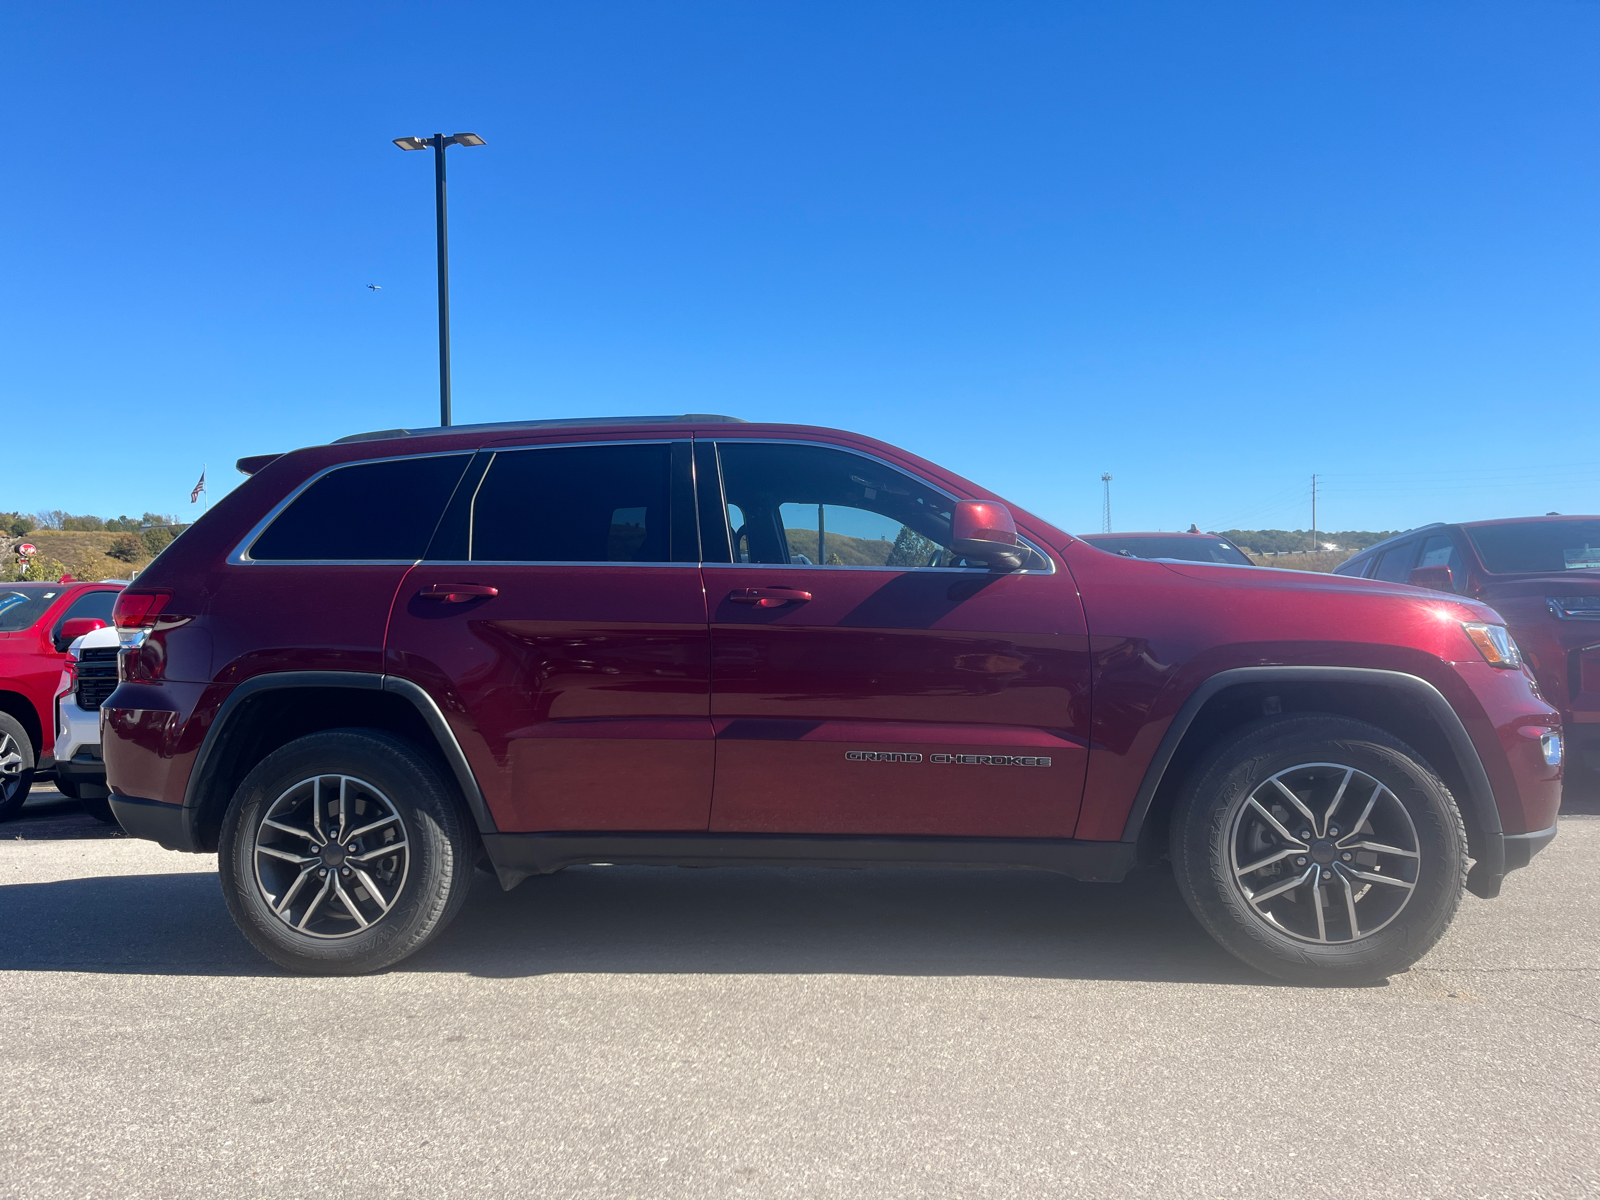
<point>1303,582</point>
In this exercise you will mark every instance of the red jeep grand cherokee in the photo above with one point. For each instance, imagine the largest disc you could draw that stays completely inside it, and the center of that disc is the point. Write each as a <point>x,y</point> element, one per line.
<point>697,641</point>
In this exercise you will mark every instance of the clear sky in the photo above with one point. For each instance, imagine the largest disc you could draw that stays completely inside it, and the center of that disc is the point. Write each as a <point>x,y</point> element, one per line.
<point>1210,248</point>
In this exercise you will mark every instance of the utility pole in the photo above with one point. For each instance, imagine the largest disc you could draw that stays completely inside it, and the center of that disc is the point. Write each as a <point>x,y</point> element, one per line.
<point>440,143</point>
<point>1105,516</point>
<point>1313,514</point>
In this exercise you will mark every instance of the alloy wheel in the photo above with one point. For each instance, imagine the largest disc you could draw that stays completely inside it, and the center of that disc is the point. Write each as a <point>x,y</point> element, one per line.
<point>1324,853</point>
<point>11,761</point>
<point>331,856</point>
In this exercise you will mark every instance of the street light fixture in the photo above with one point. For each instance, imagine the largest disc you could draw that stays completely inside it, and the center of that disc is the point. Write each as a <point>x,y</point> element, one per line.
<point>439,142</point>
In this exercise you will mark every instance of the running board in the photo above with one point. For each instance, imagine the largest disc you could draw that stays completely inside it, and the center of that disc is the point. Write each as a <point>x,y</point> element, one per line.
<point>517,855</point>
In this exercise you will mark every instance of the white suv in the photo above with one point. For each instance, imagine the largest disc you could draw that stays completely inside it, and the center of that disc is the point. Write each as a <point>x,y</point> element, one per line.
<point>88,677</point>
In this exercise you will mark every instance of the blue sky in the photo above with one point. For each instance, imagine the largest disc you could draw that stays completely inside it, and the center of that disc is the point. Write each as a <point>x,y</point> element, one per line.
<point>1211,249</point>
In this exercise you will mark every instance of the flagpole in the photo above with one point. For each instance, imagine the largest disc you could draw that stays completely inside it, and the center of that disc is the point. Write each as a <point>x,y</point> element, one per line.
<point>205,492</point>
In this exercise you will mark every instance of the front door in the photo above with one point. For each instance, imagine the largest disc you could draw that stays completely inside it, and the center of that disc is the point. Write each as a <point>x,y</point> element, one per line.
<point>560,625</point>
<point>867,681</point>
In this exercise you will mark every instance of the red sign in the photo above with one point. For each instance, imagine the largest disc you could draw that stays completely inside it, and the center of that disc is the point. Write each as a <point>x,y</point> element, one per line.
<point>27,550</point>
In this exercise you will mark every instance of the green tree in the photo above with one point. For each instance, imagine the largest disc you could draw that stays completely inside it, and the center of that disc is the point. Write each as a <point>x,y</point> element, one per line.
<point>155,540</point>
<point>127,548</point>
<point>911,549</point>
<point>15,524</point>
<point>83,524</point>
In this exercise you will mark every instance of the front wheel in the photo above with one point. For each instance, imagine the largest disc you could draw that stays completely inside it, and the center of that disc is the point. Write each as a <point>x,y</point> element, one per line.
<point>343,852</point>
<point>1320,849</point>
<point>16,766</point>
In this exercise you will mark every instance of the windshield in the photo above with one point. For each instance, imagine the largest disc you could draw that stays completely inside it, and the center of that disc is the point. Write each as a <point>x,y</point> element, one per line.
<point>1542,547</point>
<point>1190,549</point>
<point>21,604</point>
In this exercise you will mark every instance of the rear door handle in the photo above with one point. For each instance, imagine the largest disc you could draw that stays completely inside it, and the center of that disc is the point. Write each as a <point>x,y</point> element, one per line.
<point>458,593</point>
<point>768,597</point>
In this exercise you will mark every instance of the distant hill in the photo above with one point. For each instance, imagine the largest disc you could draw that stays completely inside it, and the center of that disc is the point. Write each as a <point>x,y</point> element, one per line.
<point>1272,541</point>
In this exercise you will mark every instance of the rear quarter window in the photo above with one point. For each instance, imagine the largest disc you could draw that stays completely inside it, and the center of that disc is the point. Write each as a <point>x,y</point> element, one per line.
<point>364,512</point>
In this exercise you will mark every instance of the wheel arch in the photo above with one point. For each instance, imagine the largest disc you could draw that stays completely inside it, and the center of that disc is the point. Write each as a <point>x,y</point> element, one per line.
<point>16,704</point>
<point>1404,705</point>
<point>269,711</point>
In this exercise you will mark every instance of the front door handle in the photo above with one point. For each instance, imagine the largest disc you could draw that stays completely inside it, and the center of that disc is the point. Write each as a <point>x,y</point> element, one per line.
<point>768,597</point>
<point>458,593</point>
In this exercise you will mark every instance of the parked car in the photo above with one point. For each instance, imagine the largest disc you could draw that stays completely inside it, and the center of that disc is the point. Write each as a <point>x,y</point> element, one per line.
<point>1542,574</point>
<point>88,676</point>
<point>1182,547</point>
<point>37,622</point>
<point>555,643</point>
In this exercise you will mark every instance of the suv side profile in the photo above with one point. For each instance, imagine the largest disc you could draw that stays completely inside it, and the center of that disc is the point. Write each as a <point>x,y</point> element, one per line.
<point>1543,575</point>
<point>703,642</point>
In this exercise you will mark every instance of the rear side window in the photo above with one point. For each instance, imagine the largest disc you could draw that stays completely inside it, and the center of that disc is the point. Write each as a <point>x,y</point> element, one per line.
<point>366,512</point>
<point>1395,565</point>
<point>600,503</point>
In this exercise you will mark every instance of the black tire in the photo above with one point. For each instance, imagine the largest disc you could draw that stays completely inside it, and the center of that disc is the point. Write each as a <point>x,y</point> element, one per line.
<point>347,932</point>
<point>16,766</point>
<point>1357,915</point>
<point>98,807</point>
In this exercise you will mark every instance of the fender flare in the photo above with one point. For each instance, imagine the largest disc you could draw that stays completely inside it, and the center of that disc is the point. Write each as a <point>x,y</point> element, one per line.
<point>1487,871</point>
<point>427,709</point>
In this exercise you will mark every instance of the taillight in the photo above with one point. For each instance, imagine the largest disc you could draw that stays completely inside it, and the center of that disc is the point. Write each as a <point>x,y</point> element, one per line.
<point>139,610</point>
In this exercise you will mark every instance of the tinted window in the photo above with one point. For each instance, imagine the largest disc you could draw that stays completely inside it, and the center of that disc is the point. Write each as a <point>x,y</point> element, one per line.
<point>378,511</point>
<point>21,604</point>
<point>1355,566</point>
<point>1395,565</point>
<point>825,507</point>
<point>1440,551</point>
<point>1189,549</point>
<point>1538,546</point>
<point>575,504</point>
<point>91,604</point>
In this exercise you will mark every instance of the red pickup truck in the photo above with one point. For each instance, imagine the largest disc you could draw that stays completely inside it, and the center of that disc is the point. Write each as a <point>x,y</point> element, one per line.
<point>704,642</point>
<point>37,623</point>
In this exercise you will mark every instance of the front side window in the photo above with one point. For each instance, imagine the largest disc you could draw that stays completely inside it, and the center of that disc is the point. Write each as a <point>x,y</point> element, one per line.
<point>366,512</point>
<point>599,503</point>
<point>1395,565</point>
<point>820,506</point>
<point>1440,551</point>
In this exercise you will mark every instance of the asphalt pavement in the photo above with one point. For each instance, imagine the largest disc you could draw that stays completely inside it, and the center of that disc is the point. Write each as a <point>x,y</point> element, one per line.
<point>660,1032</point>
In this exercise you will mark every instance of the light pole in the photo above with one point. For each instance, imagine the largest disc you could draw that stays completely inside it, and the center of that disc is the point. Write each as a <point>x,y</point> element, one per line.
<point>439,141</point>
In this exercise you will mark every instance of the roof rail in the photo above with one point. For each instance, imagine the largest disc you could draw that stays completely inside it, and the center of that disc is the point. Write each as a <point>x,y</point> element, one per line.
<point>386,434</point>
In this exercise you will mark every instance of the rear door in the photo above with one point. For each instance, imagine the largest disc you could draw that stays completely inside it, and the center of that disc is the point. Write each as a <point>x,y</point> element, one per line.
<point>864,681</point>
<point>560,624</point>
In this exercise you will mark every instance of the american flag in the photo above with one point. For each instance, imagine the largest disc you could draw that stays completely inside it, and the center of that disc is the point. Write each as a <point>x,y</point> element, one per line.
<point>194,496</point>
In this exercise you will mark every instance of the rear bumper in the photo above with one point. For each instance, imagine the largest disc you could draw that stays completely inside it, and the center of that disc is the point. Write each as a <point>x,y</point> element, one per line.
<point>168,824</point>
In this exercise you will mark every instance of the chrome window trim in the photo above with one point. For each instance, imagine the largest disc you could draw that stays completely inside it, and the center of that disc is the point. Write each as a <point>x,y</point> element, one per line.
<point>240,555</point>
<point>949,495</point>
<point>546,562</point>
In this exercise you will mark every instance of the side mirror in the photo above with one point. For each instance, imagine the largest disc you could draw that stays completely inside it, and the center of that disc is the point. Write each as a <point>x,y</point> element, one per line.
<point>1440,579</point>
<point>984,529</point>
<point>75,628</point>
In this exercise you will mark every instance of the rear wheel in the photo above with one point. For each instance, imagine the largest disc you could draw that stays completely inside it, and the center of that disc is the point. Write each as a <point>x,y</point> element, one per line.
<point>1320,849</point>
<point>16,766</point>
<point>344,852</point>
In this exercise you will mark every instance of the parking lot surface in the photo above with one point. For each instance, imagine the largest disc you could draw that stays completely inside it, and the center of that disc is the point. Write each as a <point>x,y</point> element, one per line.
<point>615,1032</point>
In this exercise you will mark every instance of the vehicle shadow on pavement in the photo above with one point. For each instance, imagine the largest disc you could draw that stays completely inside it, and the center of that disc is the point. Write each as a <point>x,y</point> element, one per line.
<point>666,920</point>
